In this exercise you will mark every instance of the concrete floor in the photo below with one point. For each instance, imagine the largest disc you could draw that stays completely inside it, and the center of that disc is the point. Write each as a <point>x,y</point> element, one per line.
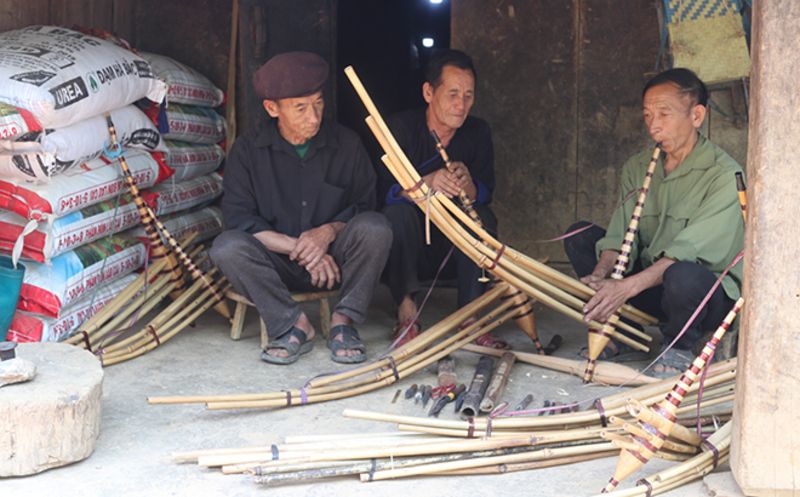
<point>132,457</point>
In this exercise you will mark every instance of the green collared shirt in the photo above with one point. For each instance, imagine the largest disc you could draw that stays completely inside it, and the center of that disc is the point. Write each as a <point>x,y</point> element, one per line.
<point>691,215</point>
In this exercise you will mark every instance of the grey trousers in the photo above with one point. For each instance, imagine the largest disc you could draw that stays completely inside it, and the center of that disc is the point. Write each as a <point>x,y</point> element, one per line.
<point>268,278</point>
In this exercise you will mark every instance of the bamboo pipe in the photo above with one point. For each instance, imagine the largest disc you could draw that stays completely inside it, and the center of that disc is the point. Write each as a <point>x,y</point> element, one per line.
<point>393,148</point>
<point>661,420</point>
<point>514,467</point>
<point>609,373</point>
<point>515,282</point>
<point>689,470</point>
<point>487,461</point>
<point>613,405</point>
<point>456,233</point>
<point>366,388</point>
<point>598,340</point>
<point>377,464</point>
<point>497,383</point>
<point>424,339</point>
<point>149,218</point>
<point>179,308</point>
<point>437,330</point>
<point>167,335</point>
<point>191,456</point>
<point>147,298</point>
<point>447,447</point>
<point>347,436</point>
<point>117,303</point>
<point>525,321</point>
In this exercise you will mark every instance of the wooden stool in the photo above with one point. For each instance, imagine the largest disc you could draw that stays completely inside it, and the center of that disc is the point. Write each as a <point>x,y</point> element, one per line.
<point>242,302</point>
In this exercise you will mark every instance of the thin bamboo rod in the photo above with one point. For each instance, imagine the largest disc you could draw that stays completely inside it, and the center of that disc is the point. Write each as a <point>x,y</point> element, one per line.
<point>526,466</point>
<point>542,454</point>
<point>609,373</point>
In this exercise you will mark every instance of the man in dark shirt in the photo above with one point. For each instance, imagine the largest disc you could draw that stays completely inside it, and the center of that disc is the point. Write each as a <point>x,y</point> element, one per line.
<point>298,193</point>
<point>449,91</point>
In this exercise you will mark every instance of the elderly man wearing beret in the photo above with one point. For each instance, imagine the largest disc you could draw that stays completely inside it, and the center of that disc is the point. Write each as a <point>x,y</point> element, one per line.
<point>298,202</point>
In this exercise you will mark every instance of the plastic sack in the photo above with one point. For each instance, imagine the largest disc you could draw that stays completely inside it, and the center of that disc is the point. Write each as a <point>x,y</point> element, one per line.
<point>184,84</point>
<point>39,155</point>
<point>49,288</point>
<point>55,77</point>
<point>28,327</point>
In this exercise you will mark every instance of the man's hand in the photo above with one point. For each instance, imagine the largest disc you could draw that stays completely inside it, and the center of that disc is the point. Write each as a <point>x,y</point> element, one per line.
<point>443,181</point>
<point>312,245</point>
<point>464,180</point>
<point>325,273</point>
<point>611,294</point>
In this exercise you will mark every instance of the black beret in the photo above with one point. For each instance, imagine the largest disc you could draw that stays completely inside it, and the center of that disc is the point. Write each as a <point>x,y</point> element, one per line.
<point>290,75</point>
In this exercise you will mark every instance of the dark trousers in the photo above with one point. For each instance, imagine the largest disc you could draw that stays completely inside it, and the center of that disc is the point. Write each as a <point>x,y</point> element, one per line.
<point>268,278</point>
<point>412,261</point>
<point>684,286</point>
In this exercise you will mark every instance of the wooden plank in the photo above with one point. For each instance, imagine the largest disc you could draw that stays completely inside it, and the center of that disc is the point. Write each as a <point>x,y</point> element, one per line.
<point>766,446</point>
<point>728,121</point>
<point>85,13</point>
<point>610,126</point>
<point>15,14</point>
<point>525,58</point>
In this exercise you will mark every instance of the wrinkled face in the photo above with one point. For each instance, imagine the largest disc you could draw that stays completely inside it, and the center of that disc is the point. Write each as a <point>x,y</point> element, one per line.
<point>670,117</point>
<point>299,118</point>
<point>450,102</point>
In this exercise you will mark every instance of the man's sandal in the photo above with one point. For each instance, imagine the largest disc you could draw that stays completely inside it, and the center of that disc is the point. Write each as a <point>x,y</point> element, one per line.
<point>293,349</point>
<point>349,341</point>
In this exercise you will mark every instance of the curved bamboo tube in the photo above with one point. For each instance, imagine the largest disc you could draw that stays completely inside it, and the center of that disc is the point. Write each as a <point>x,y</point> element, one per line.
<point>400,355</point>
<point>124,297</point>
<point>682,473</point>
<point>660,421</point>
<point>288,401</point>
<point>457,234</point>
<point>167,335</point>
<point>393,149</point>
<point>469,246</point>
<point>598,338</point>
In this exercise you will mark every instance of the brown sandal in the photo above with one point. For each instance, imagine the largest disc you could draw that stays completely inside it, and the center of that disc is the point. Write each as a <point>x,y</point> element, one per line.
<point>406,331</point>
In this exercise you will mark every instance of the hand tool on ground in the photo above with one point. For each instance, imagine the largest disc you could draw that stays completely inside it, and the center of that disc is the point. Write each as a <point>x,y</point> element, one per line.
<point>426,395</point>
<point>525,402</point>
<point>445,399</point>
<point>411,391</point>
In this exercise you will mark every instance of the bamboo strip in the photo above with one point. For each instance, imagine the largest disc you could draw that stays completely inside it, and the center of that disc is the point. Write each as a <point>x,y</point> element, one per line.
<point>607,372</point>
<point>487,461</point>
<point>448,447</point>
<point>339,436</point>
<point>514,467</point>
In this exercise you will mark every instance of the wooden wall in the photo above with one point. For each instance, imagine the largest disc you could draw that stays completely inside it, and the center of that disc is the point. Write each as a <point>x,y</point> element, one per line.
<point>560,82</point>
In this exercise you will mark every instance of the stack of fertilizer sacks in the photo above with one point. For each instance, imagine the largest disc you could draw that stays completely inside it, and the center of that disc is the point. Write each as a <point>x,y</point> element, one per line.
<point>64,206</point>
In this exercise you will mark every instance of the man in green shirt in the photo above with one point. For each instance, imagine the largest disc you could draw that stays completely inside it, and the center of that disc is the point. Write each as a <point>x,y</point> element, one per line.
<point>690,229</point>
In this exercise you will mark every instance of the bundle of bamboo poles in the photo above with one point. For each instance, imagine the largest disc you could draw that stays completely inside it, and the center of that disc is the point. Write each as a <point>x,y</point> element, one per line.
<point>437,342</point>
<point>389,455</point>
<point>657,423</point>
<point>540,282</point>
<point>167,276</point>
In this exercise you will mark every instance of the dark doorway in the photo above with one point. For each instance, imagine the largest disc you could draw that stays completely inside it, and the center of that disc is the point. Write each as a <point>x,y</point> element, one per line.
<point>383,41</point>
